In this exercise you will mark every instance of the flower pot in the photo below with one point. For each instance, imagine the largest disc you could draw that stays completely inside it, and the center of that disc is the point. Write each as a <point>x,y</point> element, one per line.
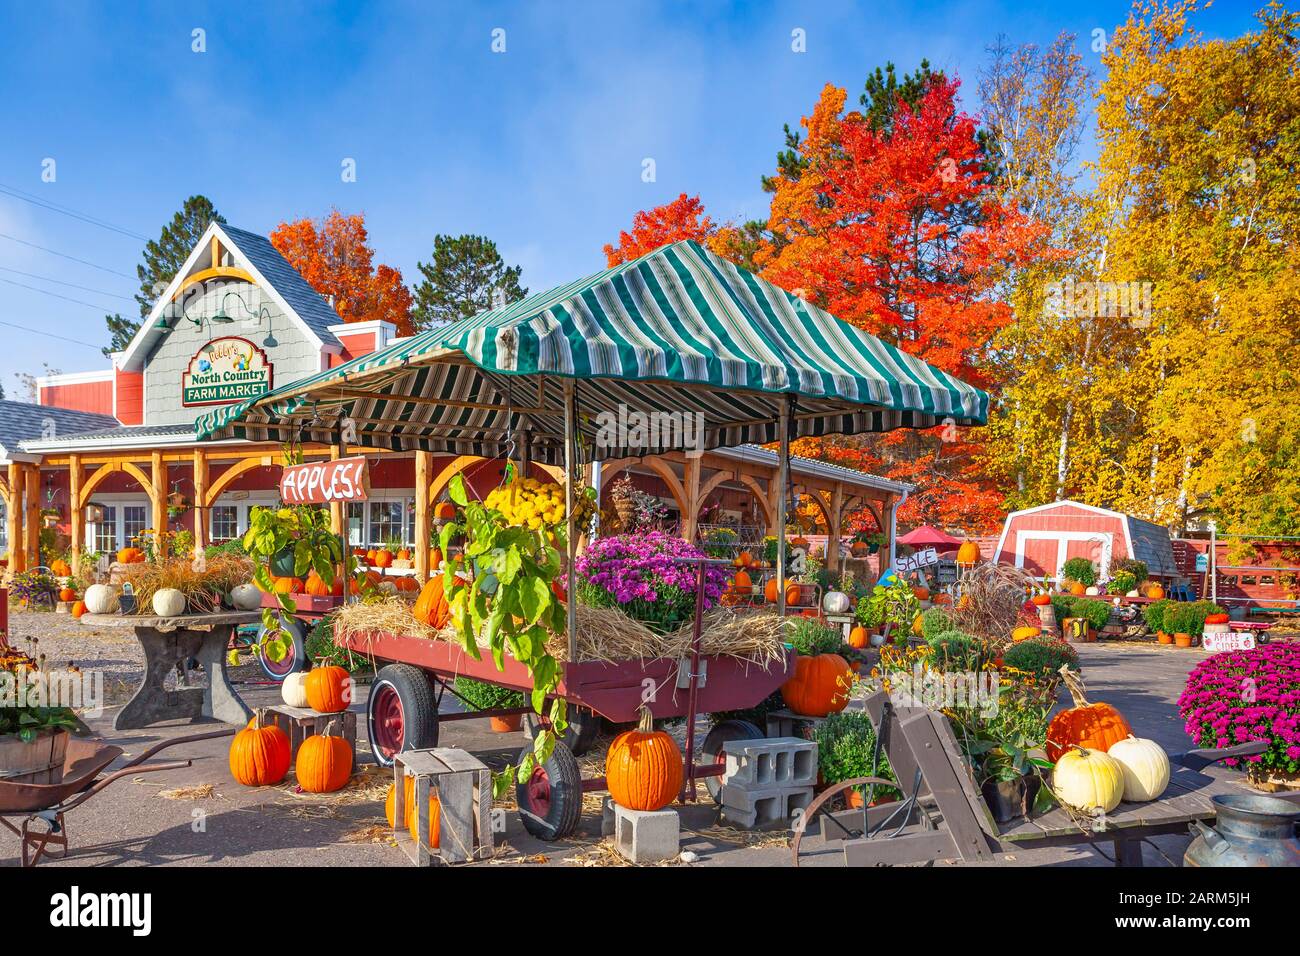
<point>1183,640</point>
<point>1164,638</point>
<point>506,725</point>
<point>126,602</point>
<point>854,799</point>
<point>38,762</point>
<point>1009,799</point>
<point>282,563</point>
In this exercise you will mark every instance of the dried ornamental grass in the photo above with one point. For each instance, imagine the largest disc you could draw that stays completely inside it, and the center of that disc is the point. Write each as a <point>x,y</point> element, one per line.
<point>204,590</point>
<point>990,602</point>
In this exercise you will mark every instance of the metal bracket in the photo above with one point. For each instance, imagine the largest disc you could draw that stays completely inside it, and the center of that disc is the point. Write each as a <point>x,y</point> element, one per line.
<point>684,673</point>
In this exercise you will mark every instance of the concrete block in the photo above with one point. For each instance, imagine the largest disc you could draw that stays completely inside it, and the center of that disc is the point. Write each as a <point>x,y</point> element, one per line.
<point>747,808</point>
<point>607,816</point>
<point>647,836</point>
<point>779,761</point>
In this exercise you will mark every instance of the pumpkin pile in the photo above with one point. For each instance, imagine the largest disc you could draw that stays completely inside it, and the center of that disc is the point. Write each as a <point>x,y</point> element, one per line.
<point>130,556</point>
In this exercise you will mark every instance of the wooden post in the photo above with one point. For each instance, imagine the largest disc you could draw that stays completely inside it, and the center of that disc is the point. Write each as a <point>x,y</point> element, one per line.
<point>782,479</point>
<point>200,502</point>
<point>691,518</point>
<point>17,550</point>
<point>158,499</point>
<point>33,522</point>
<point>833,530</point>
<point>336,507</point>
<point>76,514</point>
<point>423,527</point>
<point>570,460</point>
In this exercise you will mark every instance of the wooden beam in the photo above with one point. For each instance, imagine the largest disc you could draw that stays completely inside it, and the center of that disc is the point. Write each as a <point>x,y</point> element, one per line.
<point>455,467</point>
<point>220,272</point>
<point>423,525</point>
<point>691,516</point>
<point>233,472</point>
<point>833,529</point>
<point>336,507</point>
<point>77,514</point>
<point>660,468</point>
<point>14,517</point>
<point>158,499</point>
<point>32,474</point>
<point>200,496</point>
<point>764,501</point>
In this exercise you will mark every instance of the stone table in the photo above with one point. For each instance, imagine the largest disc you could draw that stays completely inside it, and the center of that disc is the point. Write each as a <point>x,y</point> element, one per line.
<point>171,641</point>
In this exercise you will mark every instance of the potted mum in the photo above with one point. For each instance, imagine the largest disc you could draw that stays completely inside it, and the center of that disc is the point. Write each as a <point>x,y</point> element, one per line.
<point>480,695</point>
<point>846,744</point>
<point>33,737</point>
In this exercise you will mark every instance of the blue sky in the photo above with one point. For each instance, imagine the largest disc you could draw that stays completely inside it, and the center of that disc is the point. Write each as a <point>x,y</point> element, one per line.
<point>539,147</point>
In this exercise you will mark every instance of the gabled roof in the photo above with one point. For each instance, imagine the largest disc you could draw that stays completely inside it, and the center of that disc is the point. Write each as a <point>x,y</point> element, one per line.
<point>272,273</point>
<point>1147,542</point>
<point>20,421</point>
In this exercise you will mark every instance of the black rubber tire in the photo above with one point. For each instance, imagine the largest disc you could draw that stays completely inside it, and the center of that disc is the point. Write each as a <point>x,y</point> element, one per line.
<point>419,709</point>
<point>565,809</point>
<point>711,749</point>
<point>297,632</point>
<point>584,728</point>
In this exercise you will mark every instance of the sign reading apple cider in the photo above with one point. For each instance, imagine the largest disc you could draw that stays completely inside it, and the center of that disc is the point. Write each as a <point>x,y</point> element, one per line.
<point>225,370</point>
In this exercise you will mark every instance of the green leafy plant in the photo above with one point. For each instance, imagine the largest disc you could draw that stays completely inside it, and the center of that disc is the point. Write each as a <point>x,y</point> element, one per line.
<point>894,604</point>
<point>1041,657</point>
<point>936,621</point>
<point>719,542</point>
<point>1132,566</point>
<point>955,651</point>
<point>322,651</point>
<point>481,695</point>
<point>1121,583</point>
<point>810,637</point>
<point>1096,613</point>
<point>1154,614</point>
<point>1063,606</point>
<point>846,744</point>
<point>1081,570</point>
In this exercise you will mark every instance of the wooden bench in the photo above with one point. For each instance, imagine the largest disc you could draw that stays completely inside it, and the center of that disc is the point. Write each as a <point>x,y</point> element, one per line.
<point>943,815</point>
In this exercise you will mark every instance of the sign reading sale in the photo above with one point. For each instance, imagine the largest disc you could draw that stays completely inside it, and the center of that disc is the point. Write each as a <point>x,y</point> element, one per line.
<point>321,482</point>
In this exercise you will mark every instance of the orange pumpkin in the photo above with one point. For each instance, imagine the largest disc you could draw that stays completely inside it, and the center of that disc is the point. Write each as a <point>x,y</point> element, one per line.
<point>820,685</point>
<point>129,555</point>
<point>444,511</point>
<point>435,811</point>
<point>742,584</point>
<point>435,559</point>
<point>78,609</point>
<point>405,583</point>
<point>329,689</point>
<point>431,606</point>
<point>324,762</point>
<point>769,591</point>
<point>1092,726</point>
<point>288,586</point>
<point>921,592</point>
<point>370,556</point>
<point>744,559</point>
<point>316,586</point>
<point>60,567</point>
<point>403,554</point>
<point>557,589</point>
<point>1216,619</point>
<point>68,594</point>
<point>643,767</point>
<point>383,558</point>
<point>1077,589</point>
<point>1041,600</point>
<point>259,754</point>
<point>1155,592</point>
<point>793,592</point>
<point>941,598</point>
<point>858,637</point>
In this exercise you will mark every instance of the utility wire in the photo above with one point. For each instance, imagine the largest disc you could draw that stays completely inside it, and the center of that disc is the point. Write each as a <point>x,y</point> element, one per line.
<point>67,211</point>
<point>64,255</point>
<point>51,335</point>
<point>73,285</point>
<point>65,298</point>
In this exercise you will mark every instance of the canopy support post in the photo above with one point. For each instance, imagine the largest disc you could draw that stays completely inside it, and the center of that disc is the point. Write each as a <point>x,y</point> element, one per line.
<point>570,502</point>
<point>782,481</point>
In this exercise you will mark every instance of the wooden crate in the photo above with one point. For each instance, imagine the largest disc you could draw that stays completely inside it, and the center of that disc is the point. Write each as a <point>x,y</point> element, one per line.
<point>300,723</point>
<point>464,789</point>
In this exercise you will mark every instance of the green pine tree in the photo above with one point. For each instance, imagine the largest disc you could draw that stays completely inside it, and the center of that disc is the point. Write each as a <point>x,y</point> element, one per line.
<point>463,278</point>
<point>162,260</point>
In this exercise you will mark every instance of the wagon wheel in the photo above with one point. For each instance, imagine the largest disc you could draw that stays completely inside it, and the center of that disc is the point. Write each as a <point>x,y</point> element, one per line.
<point>295,658</point>
<point>401,712</point>
<point>550,801</point>
<point>838,830</point>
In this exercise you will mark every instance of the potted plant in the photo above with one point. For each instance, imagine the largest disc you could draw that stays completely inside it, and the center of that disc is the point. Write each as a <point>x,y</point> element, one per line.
<point>1093,613</point>
<point>1081,572</point>
<point>1122,582</point>
<point>1154,616</point>
<point>846,745</point>
<point>33,739</point>
<point>1179,621</point>
<point>483,696</point>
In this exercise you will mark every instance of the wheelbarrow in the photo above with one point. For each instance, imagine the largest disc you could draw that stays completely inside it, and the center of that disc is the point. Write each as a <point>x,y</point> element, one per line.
<point>36,804</point>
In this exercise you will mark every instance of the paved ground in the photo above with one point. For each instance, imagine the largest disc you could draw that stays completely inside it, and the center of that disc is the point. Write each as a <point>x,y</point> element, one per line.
<point>201,816</point>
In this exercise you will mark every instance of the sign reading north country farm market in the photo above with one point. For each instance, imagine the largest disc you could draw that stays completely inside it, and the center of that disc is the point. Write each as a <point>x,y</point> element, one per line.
<point>225,370</point>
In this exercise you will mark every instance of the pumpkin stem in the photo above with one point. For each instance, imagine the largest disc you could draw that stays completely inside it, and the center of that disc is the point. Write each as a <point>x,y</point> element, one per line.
<point>259,718</point>
<point>645,720</point>
<point>329,729</point>
<point>1074,684</point>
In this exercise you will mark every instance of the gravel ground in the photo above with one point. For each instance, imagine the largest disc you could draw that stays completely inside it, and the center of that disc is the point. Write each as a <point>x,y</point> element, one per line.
<point>151,819</point>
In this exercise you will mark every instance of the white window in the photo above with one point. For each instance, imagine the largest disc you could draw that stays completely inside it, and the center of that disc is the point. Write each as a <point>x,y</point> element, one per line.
<point>135,518</point>
<point>386,522</point>
<point>225,523</point>
<point>103,536</point>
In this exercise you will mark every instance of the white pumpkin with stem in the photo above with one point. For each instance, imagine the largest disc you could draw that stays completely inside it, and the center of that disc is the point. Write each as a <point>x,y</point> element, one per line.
<point>835,602</point>
<point>1088,780</point>
<point>294,689</point>
<point>168,602</point>
<point>1145,766</point>
<point>246,597</point>
<point>101,599</point>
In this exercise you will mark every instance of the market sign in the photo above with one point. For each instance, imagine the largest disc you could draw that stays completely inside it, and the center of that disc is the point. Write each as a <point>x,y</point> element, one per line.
<point>1234,641</point>
<point>915,562</point>
<point>225,370</point>
<point>323,482</point>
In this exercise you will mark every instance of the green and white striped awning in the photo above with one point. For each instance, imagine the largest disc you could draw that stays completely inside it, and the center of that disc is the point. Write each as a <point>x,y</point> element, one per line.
<point>677,331</point>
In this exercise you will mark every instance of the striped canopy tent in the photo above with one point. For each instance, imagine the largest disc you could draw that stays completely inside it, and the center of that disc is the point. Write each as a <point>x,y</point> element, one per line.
<point>678,331</point>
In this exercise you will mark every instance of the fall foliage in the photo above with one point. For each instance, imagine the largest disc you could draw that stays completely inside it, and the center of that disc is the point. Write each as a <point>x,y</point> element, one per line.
<point>683,218</point>
<point>334,256</point>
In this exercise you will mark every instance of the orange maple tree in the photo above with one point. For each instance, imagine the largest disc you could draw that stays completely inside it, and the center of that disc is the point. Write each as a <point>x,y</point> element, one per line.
<point>334,256</point>
<point>683,218</point>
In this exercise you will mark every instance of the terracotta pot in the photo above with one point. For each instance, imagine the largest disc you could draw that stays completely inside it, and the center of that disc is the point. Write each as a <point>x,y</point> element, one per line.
<point>506,725</point>
<point>854,799</point>
<point>1164,638</point>
<point>1183,640</point>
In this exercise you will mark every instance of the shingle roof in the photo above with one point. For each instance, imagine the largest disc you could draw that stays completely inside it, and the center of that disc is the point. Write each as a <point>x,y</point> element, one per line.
<point>1151,545</point>
<point>113,433</point>
<point>310,306</point>
<point>20,421</point>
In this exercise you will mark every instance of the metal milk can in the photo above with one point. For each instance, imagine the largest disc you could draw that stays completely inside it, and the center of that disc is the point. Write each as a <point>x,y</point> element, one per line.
<point>1250,831</point>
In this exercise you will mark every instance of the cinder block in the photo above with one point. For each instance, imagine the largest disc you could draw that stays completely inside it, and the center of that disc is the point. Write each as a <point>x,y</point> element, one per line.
<point>647,836</point>
<point>762,806</point>
<point>607,817</point>
<point>779,761</point>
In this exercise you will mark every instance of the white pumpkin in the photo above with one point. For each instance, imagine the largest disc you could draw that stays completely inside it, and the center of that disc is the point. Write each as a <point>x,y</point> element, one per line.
<point>1133,593</point>
<point>1093,591</point>
<point>294,689</point>
<point>168,602</point>
<point>246,597</point>
<point>1145,766</point>
<point>101,599</point>
<point>1088,780</point>
<point>835,602</point>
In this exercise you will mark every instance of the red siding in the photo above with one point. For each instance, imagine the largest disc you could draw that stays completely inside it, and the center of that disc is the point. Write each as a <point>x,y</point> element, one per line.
<point>363,343</point>
<point>1041,554</point>
<point>130,398</point>
<point>94,397</point>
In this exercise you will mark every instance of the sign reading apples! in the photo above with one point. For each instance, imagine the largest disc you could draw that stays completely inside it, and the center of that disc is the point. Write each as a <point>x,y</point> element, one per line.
<point>322,482</point>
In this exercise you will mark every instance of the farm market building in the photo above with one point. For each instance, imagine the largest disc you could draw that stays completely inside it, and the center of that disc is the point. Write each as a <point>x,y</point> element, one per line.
<point>107,454</point>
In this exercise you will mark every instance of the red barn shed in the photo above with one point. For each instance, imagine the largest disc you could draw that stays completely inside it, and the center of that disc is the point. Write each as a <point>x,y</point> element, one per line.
<point>1042,539</point>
